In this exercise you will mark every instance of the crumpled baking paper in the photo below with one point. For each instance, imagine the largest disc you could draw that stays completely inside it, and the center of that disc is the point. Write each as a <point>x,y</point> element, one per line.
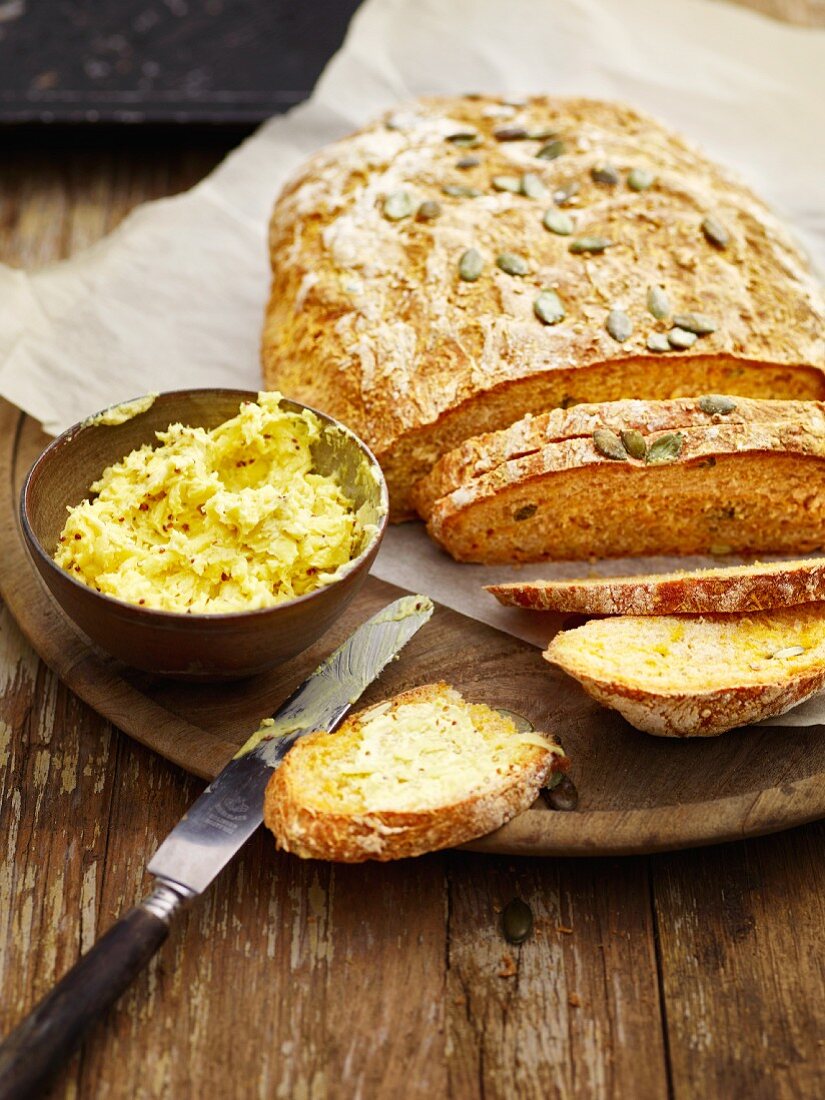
<point>175,296</point>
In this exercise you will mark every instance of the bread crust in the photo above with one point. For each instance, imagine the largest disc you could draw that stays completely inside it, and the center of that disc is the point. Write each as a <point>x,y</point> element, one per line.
<point>673,710</point>
<point>781,464</point>
<point>757,587</point>
<point>314,833</point>
<point>369,321</point>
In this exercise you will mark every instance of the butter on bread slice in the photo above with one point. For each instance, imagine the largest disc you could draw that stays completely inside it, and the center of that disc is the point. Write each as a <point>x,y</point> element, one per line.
<point>756,587</point>
<point>422,771</point>
<point>697,676</point>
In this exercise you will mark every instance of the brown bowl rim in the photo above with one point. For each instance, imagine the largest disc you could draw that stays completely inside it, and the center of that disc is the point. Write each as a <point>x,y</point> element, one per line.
<point>200,616</point>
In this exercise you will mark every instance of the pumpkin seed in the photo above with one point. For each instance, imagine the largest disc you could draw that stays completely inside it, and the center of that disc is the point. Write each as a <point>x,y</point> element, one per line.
<point>607,443</point>
<point>533,186</point>
<point>517,921</point>
<point>554,148</point>
<point>619,325</point>
<point>558,222</point>
<point>715,232</point>
<point>468,162</point>
<point>471,265</point>
<point>604,173</point>
<point>512,264</point>
<point>428,210</point>
<point>665,449</point>
<point>715,404</point>
<point>542,135</point>
<point>658,341</point>
<point>459,191</point>
<point>634,443</point>
<point>658,303</point>
<point>510,133</point>
<point>563,195</point>
<point>592,245</point>
<point>506,183</point>
<point>398,205</point>
<point>698,323</point>
<point>527,511</point>
<point>681,339</point>
<point>548,307</point>
<point>639,179</point>
<point>563,796</point>
<point>465,139</point>
<point>789,651</point>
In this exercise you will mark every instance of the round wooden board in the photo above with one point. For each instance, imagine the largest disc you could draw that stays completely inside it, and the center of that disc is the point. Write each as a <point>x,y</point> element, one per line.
<point>637,793</point>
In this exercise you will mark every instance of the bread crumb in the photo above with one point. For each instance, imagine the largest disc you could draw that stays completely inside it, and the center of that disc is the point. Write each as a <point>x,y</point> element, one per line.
<point>508,967</point>
<point>574,1000</point>
<point>563,928</point>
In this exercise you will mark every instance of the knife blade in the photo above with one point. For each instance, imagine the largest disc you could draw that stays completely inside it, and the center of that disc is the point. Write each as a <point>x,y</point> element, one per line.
<point>213,830</point>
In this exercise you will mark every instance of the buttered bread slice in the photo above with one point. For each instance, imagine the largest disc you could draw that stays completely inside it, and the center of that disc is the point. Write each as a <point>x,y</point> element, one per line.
<point>424,770</point>
<point>748,484</point>
<point>757,587</point>
<point>686,676</point>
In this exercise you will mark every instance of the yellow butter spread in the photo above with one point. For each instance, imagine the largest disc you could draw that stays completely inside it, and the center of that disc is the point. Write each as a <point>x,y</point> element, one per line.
<point>210,521</point>
<point>126,410</point>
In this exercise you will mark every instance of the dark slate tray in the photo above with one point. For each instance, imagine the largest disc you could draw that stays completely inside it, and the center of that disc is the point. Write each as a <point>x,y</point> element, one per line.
<point>163,60</point>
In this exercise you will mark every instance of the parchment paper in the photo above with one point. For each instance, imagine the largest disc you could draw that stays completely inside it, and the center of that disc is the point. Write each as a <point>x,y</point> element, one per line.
<point>175,296</point>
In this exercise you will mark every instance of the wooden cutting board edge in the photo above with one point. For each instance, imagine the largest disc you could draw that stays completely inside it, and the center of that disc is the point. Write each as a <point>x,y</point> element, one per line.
<point>95,679</point>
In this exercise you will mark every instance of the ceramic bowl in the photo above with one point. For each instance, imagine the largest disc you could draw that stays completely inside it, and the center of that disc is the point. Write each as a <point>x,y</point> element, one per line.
<point>190,646</point>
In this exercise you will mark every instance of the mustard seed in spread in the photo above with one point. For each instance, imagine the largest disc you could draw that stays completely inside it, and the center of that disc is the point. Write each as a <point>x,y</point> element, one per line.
<point>230,519</point>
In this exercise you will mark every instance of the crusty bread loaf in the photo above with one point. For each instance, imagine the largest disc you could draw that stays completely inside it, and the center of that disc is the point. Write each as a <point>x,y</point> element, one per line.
<point>722,488</point>
<point>757,587</point>
<point>371,319</point>
<point>483,453</point>
<point>686,676</point>
<point>425,770</point>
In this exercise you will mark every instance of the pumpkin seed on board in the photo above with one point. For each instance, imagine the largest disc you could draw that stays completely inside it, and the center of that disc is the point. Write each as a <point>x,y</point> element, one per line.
<point>619,325</point>
<point>465,139</point>
<point>609,445</point>
<point>398,205</point>
<point>681,339</point>
<point>512,264</point>
<point>471,265</point>
<point>558,222</point>
<point>665,449</point>
<point>460,191</point>
<point>548,307</point>
<point>565,194</point>
<point>517,921</point>
<point>715,232</point>
<point>634,443</point>
<point>715,404</point>
<point>564,796</point>
<point>506,183</point>
<point>592,245</point>
<point>658,303</point>
<point>697,323</point>
<point>533,186</point>
<point>604,173</point>
<point>553,149</point>
<point>428,210</point>
<point>639,179</point>
<point>658,341</point>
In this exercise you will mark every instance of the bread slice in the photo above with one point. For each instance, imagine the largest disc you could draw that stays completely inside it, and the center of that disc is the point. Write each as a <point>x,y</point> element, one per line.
<point>483,453</point>
<point>370,320</point>
<point>686,676</point>
<point>757,587</point>
<point>424,770</point>
<point>727,488</point>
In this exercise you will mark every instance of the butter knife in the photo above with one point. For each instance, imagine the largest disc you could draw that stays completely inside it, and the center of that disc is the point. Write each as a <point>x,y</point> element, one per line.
<point>198,848</point>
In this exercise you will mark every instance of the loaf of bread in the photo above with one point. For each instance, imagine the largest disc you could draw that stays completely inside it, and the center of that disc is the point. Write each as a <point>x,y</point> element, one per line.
<point>697,676</point>
<point>729,487</point>
<point>758,587</point>
<point>464,261</point>
<point>425,770</point>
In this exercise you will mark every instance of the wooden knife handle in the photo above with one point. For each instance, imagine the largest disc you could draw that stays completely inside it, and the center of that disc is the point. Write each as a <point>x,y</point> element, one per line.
<point>47,1037</point>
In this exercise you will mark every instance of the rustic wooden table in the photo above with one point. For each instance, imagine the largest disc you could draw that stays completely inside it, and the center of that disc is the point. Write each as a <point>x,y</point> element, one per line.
<point>698,974</point>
